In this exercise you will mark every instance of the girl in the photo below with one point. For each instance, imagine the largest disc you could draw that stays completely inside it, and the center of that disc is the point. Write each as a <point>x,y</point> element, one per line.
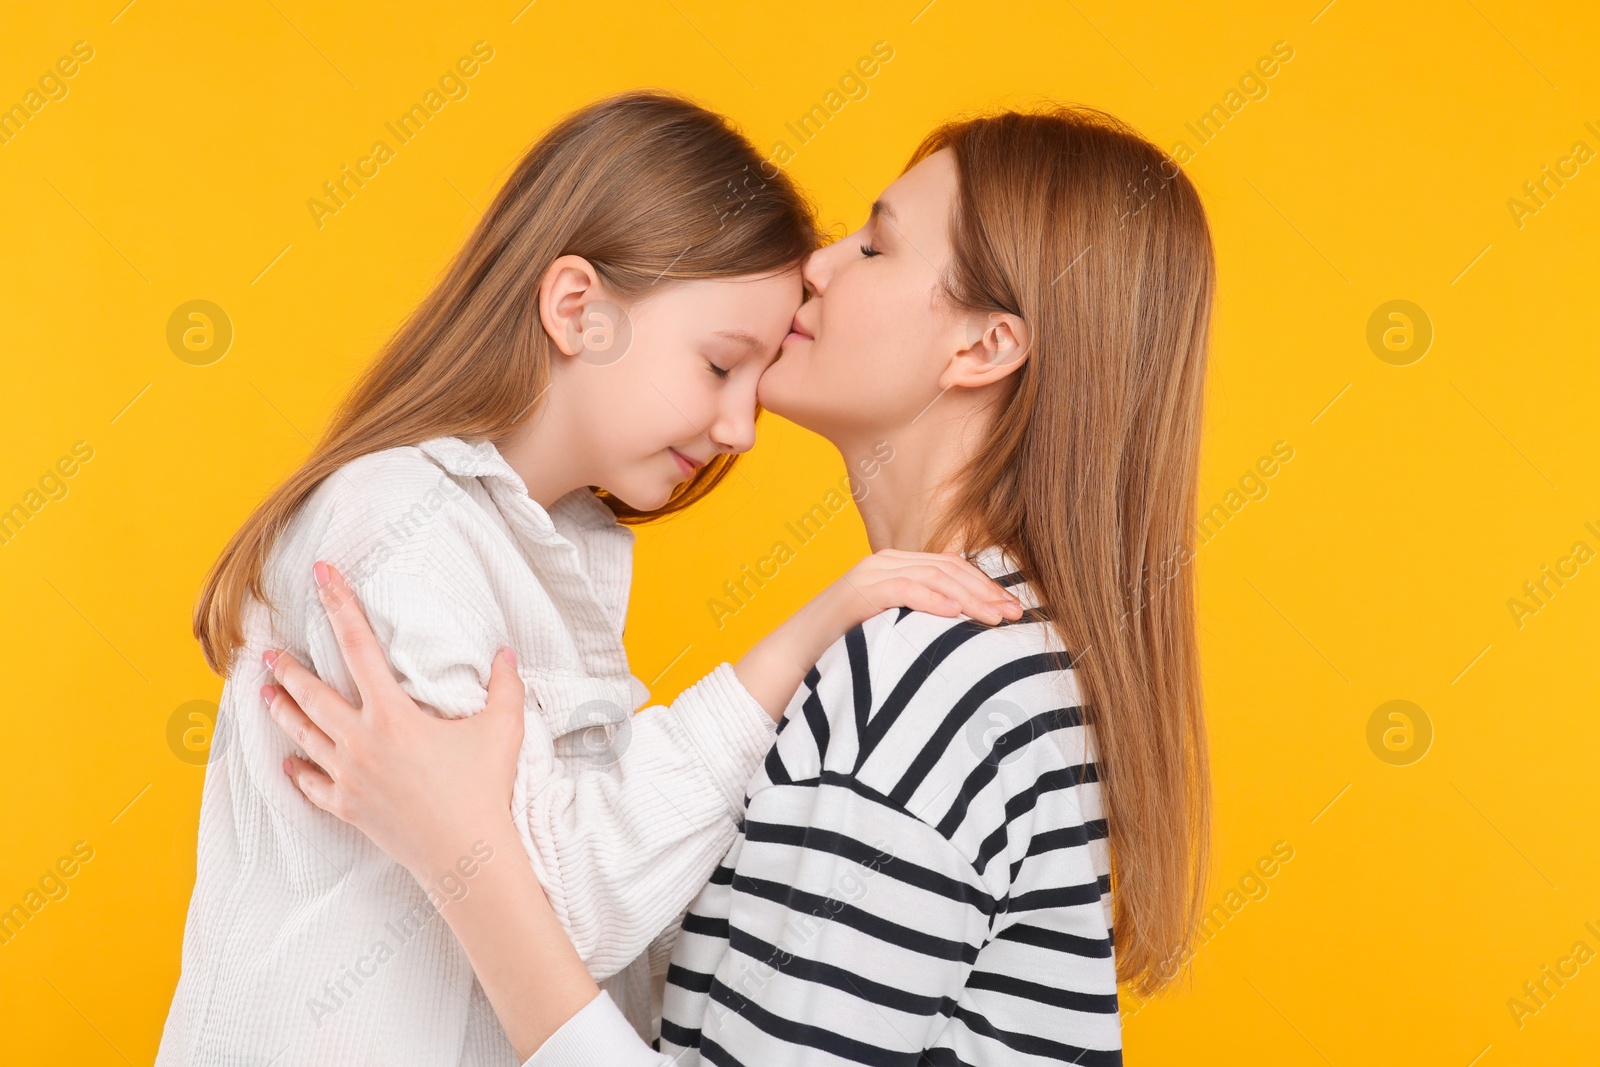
<point>595,330</point>
<point>955,816</point>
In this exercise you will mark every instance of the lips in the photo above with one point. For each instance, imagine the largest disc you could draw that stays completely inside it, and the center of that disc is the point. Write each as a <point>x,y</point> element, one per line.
<point>798,331</point>
<point>686,464</point>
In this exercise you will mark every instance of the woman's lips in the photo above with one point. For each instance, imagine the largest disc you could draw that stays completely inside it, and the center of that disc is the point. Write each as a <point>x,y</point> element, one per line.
<point>797,332</point>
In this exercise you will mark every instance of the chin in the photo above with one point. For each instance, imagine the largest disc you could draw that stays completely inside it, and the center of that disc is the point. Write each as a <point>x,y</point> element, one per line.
<point>807,412</point>
<point>782,391</point>
<point>643,498</point>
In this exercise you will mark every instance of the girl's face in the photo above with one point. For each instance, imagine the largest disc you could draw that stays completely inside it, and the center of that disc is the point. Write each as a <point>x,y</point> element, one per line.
<point>867,348</point>
<point>658,391</point>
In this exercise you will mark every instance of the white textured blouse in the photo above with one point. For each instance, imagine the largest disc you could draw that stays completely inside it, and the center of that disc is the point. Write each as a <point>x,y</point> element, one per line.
<point>305,943</point>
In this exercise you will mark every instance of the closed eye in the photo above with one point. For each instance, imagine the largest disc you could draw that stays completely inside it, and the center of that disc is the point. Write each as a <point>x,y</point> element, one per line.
<point>869,251</point>
<point>720,372</point>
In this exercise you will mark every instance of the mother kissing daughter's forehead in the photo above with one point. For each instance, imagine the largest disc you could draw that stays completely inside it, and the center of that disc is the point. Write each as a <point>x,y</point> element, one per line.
<point>1045,439</point>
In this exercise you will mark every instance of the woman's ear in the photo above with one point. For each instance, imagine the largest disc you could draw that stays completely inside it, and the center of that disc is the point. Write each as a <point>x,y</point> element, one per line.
<point>569,284</point>
<point>996,345</point>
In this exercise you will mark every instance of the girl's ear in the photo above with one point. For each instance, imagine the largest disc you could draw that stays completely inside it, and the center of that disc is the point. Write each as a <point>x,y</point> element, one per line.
<point>996,345</point>
<point>569,284</point>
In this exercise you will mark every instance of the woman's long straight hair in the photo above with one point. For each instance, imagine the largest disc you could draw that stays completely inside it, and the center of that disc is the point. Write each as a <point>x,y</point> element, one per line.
<point>649,188</point>
<point>1092,235</point>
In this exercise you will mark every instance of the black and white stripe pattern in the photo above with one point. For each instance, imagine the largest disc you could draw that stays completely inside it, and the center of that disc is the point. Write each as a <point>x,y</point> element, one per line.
<point>922,873</point>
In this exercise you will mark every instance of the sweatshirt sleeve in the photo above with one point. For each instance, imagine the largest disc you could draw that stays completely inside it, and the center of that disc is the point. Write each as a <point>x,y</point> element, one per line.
<point>598,1033</point>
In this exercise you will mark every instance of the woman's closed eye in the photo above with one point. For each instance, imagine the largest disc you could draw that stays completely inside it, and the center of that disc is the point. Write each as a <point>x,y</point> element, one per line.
<point>869,251</point>
<point>720,372</point>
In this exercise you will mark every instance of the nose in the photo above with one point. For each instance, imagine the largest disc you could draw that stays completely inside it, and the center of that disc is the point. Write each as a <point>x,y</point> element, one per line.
<point>817,269</point>
<point>735,427</point>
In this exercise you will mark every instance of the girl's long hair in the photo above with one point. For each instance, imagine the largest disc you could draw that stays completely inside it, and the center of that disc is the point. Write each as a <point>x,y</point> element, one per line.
<point>1092,235</point>
<point>649,188</point>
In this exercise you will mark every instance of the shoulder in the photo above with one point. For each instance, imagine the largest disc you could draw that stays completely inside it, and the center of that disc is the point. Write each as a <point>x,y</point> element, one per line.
<point>943,697</point>
<point>393,512</point>
<point>381,487</point>
<point>977,731</point>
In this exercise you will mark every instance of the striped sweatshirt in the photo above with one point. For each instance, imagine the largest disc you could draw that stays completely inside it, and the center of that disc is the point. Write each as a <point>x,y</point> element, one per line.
<point>921,874</point>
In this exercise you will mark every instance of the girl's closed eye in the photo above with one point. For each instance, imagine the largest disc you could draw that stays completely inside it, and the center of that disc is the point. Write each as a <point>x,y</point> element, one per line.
<point>720,372</point>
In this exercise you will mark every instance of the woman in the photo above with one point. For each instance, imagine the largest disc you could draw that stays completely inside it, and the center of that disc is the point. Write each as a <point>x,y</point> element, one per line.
<point>924,868</point>
<point>594,330</point>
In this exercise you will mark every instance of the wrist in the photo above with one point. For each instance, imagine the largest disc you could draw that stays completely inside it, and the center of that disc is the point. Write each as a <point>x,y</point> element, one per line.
<point>448,870</point>
<point>829,615</point>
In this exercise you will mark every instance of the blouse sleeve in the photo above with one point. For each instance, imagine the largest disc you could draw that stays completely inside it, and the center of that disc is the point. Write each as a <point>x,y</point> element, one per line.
<point>622,845</point>
<point>621,840</point>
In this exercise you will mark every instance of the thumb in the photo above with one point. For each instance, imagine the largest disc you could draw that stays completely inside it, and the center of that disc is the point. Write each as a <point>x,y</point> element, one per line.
<point>506,692</point>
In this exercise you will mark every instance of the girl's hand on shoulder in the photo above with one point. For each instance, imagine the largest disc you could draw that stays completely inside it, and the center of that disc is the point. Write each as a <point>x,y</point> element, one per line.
<point>940,583</point>
<point>423,788</point>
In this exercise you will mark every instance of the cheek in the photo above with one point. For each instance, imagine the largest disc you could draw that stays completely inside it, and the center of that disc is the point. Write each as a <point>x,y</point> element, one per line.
<point>675,401</point>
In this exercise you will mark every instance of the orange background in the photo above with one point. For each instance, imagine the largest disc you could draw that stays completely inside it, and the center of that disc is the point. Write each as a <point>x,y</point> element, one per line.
<point>1379,563</point>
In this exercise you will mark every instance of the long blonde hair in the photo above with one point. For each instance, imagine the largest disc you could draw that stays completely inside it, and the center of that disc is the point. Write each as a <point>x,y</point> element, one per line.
<point>1092,235</point>
<point>648,187</point>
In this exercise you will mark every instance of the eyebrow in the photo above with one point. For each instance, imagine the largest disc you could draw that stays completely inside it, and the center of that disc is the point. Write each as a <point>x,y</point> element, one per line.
<point>741,338</point>
<point>880,209</point>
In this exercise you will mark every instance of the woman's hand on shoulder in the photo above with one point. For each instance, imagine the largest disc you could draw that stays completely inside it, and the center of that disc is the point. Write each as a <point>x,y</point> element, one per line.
<point>421,787</point>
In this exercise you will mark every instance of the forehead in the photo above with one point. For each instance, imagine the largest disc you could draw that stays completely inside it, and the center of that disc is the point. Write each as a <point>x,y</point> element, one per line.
<point>733,310</point>
<point>917,205</point>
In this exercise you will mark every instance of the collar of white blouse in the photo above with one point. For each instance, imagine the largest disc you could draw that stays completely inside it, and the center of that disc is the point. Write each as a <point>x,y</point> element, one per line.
<point>583,558</point>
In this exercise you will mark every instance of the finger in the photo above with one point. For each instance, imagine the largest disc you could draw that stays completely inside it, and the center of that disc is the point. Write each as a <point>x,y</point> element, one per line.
<point>959,587</point>
<point>357,643</point>
<point>917,595</point>
<point>970,569</point>
<point>321,703</point>
<point>984,588</point>
<point>313,783</point>
<point>296,726</point>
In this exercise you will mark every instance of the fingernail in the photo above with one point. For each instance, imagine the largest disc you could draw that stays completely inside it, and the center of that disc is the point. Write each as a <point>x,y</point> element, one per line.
<point>288,768</point>
<point>319,570</point>
<point>267,694</point>
<point>270,658</point>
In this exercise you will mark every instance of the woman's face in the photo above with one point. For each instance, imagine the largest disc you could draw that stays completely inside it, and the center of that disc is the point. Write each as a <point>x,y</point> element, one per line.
<point>660,391</point>
<point>867,348</point>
